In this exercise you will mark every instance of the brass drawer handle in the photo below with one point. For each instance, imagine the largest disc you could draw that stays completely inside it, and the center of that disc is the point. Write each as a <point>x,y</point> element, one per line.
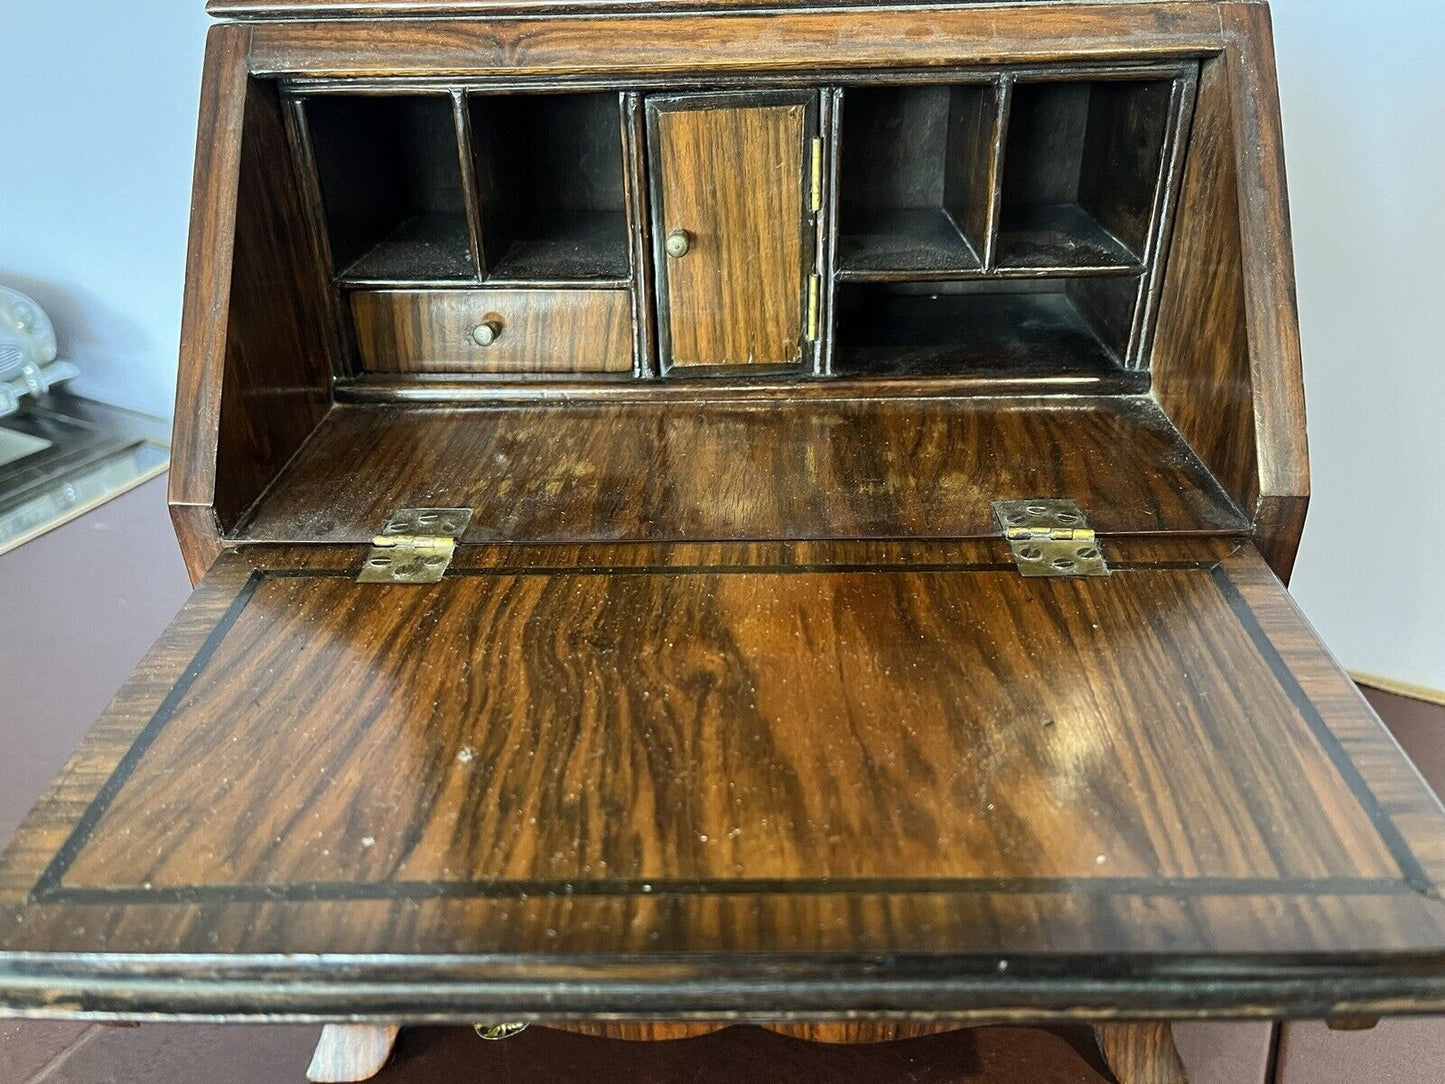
<point>488,331</point>
<point>678,243</point>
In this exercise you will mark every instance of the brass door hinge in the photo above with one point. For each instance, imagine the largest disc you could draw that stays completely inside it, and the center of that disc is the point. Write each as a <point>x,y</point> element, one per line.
<point>494,1032</point>
<point>1050,538</point>
<point>815,199</point>
<point>815,286</point>
<point>415,546</point>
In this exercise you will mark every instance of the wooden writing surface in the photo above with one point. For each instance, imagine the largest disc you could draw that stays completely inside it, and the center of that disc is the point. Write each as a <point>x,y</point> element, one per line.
<point>572,764</point>
<point>586,471</point>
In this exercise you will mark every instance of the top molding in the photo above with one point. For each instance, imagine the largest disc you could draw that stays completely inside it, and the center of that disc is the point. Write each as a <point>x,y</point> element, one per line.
<point>380,9</point>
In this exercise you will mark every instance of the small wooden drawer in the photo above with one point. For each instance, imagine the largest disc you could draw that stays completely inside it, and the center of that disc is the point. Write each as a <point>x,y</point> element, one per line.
<point>494,331</point>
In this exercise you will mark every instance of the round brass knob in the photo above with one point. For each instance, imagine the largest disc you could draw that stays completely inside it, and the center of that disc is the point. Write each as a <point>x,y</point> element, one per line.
<point>678,242</point>
<point>487,332</point>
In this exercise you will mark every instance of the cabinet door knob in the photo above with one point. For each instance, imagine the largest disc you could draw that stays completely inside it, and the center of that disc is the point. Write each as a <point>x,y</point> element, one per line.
<point>487,332</point>
<point>677,243</point>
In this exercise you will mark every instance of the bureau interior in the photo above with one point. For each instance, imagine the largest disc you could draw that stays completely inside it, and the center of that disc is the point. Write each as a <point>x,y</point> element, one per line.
<point>476,257</point>
<point>1007,223</point>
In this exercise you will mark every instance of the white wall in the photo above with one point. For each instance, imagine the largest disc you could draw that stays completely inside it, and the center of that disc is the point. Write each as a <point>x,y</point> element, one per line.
<point>96,146</point>
<point>1364,124</point>
<point>95,178</point>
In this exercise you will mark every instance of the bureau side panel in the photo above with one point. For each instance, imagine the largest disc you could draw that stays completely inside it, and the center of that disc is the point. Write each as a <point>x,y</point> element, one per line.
<point>1272,312</point>
<point>259,333</point>
<point>1201,353</point>
<point>208,293</point>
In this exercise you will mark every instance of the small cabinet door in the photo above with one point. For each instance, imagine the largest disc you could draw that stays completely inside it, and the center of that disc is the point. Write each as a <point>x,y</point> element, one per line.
<point>733,231</point>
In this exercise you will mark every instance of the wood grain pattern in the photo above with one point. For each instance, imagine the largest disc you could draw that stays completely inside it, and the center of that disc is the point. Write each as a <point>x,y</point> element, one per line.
<point>791,784</point>
<point>1279,523</point>
<point>199,535</point>
<point>745,740</point>
<point>1276,367</point>
<point>1141,1053</point>
<point>732,176</point>
<point>282,331</point>
<point>741,42</point>
<point>819,469</point>
<point>351,1052</point>
<point>195,435</point>
<point>1201,353</point>
<point>542,331</point>
<point>208,261</point>
<point>253,383</point>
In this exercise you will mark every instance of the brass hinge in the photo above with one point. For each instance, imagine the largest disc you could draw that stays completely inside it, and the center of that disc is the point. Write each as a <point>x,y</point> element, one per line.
<point>494,1032</point>
<point>415,546</point>
<point>1050,538</point>
<point>815,285</point>
<point>816,198</point>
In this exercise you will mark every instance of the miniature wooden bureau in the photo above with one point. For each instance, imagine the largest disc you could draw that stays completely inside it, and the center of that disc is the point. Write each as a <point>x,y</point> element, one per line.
<point>712,511</point>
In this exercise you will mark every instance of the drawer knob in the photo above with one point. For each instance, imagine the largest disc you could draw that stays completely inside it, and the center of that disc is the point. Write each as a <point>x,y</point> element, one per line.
<point>487,332</point>
<point>677,243</point>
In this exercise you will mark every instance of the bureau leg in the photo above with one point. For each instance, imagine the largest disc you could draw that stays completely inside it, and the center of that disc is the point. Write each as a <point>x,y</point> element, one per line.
<point>351,1052</point>
<point>1141,1053</point>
